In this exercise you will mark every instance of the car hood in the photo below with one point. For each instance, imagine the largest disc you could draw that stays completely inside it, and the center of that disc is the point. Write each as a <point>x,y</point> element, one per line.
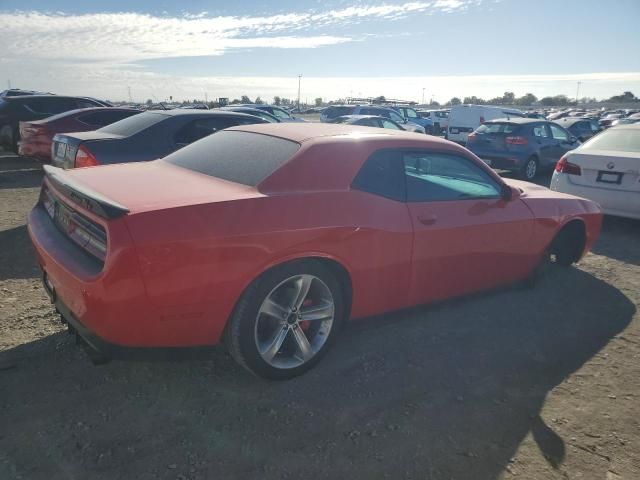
<point>154,185</point>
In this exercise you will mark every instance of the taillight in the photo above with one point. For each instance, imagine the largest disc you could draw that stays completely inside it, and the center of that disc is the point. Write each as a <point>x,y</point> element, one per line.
<point>517,140</point>
<point>31,129</point>
<point>84,158</point>
<point>481,119</point>
<point>564,166</point>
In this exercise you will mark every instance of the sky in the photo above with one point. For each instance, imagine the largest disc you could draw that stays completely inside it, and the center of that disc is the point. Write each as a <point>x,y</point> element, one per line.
<point>411,50</point>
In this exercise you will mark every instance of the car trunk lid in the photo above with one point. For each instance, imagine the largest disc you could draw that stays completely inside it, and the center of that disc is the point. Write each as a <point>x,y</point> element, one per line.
<point>129,188</point>
<point>64,147</point>
<point>612,170</point>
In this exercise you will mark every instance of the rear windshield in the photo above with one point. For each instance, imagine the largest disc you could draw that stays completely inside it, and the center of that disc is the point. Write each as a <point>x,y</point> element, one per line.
<point>239,157</point>
<point>497,128</point>
<point>338,111</point>
<point>132,125</point>
<point>620,140</point>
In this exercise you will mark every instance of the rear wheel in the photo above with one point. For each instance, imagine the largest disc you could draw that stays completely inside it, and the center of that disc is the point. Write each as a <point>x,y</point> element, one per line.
<point>9,138</point>
<point>529,169</point>
<point>286,320</point>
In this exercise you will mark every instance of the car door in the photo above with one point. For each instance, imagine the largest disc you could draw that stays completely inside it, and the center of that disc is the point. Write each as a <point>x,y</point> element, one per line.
<point>544,142</point>
<point>561,142</point>
<point>467,237</point>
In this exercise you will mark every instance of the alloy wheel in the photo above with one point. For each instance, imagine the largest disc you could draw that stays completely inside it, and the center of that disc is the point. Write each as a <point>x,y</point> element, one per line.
<point>294,321</point>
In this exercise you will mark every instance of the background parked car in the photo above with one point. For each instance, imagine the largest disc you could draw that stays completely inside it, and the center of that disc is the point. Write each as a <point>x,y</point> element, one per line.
<point>278,112</point>
<point>258,112</point>
<point>605,169</point>
<point>464,119</point>
<point>412,116</point>
<point>34,107</point>
<point>331,113</point>
<point>18,92</point>
<point>581,128</point>
<point>522,145</point>
<point>368,121</point>
<point>36,136</point>
<point>440,119</point>
<point>605,122</point>
<point>149,135</point>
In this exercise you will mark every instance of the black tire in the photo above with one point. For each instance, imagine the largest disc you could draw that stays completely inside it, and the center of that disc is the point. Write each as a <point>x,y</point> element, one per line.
<point>240,332</point>
<point>530,169</point>
<point>568,244</point>
<point>9,138</point>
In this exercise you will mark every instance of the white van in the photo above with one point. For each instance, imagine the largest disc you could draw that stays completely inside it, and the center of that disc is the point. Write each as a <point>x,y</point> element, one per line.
<point>464,119</point>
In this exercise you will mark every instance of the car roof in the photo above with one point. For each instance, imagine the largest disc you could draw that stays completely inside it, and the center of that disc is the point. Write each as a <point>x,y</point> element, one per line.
<point>194,111</point>
<point>517,120</point>
<point>312,132</point>
<point>358,117</point>
<point>571,120</point>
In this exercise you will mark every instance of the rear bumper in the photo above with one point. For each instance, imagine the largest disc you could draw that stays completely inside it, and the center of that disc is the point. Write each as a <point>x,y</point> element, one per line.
<point>612,202</point>
<point>107,302</point>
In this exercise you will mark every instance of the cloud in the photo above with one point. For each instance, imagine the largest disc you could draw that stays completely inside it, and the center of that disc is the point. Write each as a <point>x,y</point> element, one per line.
<point>131,37</point>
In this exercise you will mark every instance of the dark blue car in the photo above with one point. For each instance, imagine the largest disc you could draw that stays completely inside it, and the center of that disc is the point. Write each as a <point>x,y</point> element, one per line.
<point>522,145</point>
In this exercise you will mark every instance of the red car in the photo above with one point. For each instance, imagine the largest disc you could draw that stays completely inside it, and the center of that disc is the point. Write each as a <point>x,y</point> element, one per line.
<point>268,237</point>
<point>36,136</point>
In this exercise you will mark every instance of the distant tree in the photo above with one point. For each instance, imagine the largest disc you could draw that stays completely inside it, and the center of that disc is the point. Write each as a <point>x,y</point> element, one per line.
<point>236,101</point>
<point>454,101</point>
<point>558,101</point>
<point>474,100</point>
<point>276,100</point>
<point>508,98</point>
<point>318,101</point>
<point>149,102</point>
<point>245,99</point>
<point>527,99</point>
<point>626,97</point>
<point>433,103</point>
<point>285,101</point>
<point>381,98</point>
<point>258,100</point>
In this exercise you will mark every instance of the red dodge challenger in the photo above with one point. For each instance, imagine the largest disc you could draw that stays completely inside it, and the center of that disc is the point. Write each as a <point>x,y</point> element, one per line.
<point>269,237</point>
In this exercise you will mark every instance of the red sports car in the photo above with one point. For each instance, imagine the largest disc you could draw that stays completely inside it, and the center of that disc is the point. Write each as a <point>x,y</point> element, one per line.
<point>268,237</point>
<point>36,136</point>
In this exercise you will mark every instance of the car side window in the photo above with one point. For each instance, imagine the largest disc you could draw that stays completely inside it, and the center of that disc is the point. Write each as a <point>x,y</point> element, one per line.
<point>280,113</point>
<point>382,174</point>
<point>540,131</point>
<point>395,117</point>
<point>436,177</point>
<point>389,124</point>
<point>84,103</point>
<point>197,129</point>
<point>558,133</point>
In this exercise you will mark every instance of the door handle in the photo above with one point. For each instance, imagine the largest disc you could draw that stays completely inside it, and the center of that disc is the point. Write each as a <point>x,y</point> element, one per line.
<point>427,219</point>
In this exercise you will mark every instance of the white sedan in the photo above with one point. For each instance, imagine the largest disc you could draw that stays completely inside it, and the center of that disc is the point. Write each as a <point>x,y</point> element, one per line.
<point>605,169</point>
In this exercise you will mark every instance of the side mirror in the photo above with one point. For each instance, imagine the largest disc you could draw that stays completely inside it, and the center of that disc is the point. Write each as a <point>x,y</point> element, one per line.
<point>573,139</point>
<point>510,193</point>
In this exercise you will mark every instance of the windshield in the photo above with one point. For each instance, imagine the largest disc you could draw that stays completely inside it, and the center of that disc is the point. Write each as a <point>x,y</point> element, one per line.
<point>240,157</point>
<point>132,125</point>
<point>619,140</point>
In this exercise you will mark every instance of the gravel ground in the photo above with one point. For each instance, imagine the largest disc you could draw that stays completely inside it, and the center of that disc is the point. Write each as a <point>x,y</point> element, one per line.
<point>539,383</point>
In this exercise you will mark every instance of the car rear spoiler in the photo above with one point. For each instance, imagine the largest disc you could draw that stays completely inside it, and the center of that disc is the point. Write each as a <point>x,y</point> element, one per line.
<point>82,195</point>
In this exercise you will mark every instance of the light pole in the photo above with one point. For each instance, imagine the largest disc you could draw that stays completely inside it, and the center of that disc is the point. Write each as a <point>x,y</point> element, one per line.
<point>577,92</point>
<point>423,89</point>
<point>299,77</point>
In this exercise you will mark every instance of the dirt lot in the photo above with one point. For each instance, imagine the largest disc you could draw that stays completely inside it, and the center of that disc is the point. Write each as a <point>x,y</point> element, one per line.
<point>537,383</point>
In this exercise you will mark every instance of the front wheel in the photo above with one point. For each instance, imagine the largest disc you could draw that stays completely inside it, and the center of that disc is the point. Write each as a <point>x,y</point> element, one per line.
<point>286,320</point>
